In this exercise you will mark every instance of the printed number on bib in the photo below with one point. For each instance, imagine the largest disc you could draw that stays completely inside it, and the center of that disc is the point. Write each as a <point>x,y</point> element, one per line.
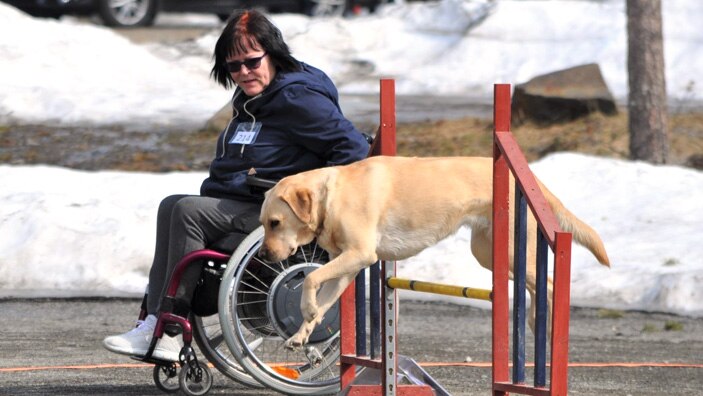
<point>246,133</point>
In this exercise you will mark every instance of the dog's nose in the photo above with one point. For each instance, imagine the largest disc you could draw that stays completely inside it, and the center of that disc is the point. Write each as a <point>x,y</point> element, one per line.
<point>264,253</point>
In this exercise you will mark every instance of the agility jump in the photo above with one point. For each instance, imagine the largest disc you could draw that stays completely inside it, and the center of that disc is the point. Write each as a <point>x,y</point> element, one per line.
<point>383,359</point>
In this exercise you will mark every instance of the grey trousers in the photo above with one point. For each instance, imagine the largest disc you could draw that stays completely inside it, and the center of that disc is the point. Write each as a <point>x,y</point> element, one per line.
<point>186,223</point>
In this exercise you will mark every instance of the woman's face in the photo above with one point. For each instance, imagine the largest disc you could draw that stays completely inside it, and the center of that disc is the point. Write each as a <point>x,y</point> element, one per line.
<point>252,70</point>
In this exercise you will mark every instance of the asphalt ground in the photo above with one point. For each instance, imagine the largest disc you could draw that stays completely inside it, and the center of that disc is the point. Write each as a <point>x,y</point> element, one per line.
<point>53,347</point>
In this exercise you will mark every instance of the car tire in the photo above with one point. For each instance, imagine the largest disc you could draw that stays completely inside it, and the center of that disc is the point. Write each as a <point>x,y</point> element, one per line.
<point>39,13</point>
<point>127,13</point>
<point>326,8</point>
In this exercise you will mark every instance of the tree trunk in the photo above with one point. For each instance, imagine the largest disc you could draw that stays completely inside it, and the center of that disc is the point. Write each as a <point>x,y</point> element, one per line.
<point>647,82</point>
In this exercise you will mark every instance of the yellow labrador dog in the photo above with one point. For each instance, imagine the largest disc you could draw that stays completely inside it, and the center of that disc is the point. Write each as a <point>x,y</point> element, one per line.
<point>390,208</point>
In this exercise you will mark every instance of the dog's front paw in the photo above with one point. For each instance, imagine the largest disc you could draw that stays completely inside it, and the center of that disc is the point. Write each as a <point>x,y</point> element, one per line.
<point>295,342</point>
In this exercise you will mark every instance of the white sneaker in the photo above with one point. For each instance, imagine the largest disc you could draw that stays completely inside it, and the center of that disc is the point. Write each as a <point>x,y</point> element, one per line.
<point>136,342</point>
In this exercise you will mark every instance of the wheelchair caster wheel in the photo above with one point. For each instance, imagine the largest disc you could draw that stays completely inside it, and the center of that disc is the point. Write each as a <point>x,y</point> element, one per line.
<point>195,379</point>
<point>165,378</point>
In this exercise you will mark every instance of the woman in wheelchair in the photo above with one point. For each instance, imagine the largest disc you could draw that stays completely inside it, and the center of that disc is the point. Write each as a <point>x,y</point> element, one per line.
<point>286,119</point>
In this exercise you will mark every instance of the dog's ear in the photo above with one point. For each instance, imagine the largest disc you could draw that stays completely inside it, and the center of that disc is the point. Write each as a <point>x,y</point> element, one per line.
<point>300,200</point>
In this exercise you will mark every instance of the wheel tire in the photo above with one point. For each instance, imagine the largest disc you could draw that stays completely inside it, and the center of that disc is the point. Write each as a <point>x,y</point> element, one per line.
<point>190,384</point>
<point>250,334</point>
<point>128,13</point>
<point>39,13</point>
<point>166,378</point>
<point>326,8</point>
<point>207,333</point>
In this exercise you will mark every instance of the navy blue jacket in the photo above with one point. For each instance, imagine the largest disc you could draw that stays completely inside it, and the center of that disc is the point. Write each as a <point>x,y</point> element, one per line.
<point>302,128</point>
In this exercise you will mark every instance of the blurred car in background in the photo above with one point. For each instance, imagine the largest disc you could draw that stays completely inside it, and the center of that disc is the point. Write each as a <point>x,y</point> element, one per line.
<point>135,13</point>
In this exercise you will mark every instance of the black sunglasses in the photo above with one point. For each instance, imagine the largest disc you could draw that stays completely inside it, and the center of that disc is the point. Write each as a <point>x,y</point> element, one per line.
<point>251,64</point>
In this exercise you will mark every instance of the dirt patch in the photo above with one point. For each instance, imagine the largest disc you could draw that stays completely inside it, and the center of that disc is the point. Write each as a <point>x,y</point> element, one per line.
<point>94,148</point>
<point>596,134</point>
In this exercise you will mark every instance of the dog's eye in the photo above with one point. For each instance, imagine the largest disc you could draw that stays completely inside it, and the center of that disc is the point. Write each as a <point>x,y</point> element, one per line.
<point>274,223</point>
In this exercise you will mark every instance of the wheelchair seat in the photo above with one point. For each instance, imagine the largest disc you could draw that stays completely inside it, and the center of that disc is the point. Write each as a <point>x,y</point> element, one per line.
<point>228,243</point>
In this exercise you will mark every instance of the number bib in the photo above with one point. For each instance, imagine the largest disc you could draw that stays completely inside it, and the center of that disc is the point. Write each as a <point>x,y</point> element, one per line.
<point>246,133</point>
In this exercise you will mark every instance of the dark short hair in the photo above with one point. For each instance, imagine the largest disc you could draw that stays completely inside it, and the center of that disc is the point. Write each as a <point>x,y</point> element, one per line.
<point>250,27</point>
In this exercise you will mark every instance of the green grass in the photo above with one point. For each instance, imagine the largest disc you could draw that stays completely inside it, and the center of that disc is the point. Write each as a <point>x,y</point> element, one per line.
<point>672,325</point>
<point>610,314</point>
<point>670,262</point>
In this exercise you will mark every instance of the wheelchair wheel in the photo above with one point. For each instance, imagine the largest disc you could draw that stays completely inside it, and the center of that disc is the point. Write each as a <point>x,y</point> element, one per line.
<point>207,333</point>
<point>166,378</point>
<point>195,379</point>
<point>259,308</point>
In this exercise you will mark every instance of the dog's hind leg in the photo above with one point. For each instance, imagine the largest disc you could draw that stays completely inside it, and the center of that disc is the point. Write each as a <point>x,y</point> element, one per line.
<point>533,304</point>
<point>481,247</point>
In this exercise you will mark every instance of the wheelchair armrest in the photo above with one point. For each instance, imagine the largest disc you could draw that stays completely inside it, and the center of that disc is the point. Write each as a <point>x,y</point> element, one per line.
<point>259,185</point>
<point>259,182</point>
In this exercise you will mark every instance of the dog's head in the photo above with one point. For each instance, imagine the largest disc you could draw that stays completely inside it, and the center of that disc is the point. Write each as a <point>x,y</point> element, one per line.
<point>289,217</point>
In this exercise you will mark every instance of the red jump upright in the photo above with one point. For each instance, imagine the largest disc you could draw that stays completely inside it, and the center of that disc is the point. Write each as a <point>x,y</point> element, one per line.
<point>508,158</point>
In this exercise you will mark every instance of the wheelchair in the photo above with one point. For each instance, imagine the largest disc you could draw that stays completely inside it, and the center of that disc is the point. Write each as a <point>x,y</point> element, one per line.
<point>257,309</point>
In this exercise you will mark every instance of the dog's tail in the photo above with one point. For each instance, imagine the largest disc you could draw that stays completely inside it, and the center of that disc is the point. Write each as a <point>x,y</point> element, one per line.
<point>582,233</point>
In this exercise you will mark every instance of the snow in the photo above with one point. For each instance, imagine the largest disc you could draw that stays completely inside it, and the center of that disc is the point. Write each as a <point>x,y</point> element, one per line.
<point>71,72</point>
<point>74,233</point>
